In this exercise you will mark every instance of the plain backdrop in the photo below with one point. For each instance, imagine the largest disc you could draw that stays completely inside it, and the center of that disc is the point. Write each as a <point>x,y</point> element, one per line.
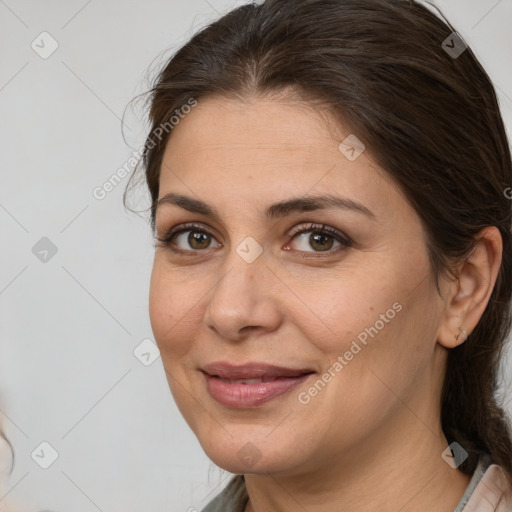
<point>74,270</point>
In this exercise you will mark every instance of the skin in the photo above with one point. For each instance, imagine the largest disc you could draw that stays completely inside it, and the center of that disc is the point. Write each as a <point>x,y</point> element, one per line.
<point>372,438</point>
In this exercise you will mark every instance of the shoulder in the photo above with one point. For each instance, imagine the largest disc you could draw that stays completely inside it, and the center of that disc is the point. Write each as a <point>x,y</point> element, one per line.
<point>232,499</point>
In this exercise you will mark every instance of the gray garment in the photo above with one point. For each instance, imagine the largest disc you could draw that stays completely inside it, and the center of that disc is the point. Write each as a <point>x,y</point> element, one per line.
<point>234,497</point>
<point>483,463</point>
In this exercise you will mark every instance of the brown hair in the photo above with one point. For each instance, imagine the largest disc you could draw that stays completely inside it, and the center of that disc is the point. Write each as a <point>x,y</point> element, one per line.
<point>429,118</point>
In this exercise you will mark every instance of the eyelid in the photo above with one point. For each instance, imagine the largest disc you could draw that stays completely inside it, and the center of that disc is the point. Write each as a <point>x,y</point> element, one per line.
<point>304,227</point>
<point>321,228</point>
<point>175,231</point>
<point>344,241</point>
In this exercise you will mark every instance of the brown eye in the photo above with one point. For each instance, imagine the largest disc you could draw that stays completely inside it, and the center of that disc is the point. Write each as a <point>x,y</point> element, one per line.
<point>193,238</point>
<point>198,240</point>
<point>320,238</point>
<point>188,238</point>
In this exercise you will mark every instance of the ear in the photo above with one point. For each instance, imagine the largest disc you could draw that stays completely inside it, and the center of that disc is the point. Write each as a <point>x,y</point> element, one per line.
<point>468,295</point>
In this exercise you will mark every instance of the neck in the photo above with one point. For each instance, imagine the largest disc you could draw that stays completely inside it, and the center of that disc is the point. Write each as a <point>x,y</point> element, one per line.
<point>387,473</point>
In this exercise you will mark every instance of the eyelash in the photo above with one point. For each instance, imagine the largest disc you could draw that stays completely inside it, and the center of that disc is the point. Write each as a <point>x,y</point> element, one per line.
<point>316,228</point>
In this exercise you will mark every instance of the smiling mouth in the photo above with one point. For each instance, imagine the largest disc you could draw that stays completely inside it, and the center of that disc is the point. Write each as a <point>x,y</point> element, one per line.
<point>250,385</point>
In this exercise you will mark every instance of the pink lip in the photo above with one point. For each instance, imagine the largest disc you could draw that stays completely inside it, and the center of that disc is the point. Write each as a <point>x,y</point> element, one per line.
<point>276,381</point>
<point>252,371</point>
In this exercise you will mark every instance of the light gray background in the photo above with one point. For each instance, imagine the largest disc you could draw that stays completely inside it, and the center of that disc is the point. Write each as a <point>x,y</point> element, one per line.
<point>68,327</point>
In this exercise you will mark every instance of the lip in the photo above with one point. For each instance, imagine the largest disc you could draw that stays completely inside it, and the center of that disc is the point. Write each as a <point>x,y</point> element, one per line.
<point>275,381</point>
<point>252,371</point>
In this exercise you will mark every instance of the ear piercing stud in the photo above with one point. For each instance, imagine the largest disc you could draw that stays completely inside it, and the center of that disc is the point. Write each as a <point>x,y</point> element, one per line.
<point>462,333</point>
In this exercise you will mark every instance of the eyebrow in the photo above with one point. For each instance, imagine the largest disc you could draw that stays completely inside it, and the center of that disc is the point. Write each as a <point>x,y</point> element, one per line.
<point>274,211</point>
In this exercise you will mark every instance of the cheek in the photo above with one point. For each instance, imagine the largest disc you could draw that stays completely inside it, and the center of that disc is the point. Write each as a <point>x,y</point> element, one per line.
<point>375,318</point>
<point>160,308</point>
<point>169,310</point>
<point>348,305</point>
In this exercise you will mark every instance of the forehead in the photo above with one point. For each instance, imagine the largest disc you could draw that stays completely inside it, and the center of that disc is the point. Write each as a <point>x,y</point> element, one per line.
<point>259,115</point>
<point>263,134</point>
<point>264,151</point>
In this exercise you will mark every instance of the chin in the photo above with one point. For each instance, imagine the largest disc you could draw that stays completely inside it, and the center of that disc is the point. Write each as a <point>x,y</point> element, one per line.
<point>252,454</point>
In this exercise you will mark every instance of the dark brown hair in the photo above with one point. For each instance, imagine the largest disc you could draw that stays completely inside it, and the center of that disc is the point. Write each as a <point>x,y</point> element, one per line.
<point>429,118</point>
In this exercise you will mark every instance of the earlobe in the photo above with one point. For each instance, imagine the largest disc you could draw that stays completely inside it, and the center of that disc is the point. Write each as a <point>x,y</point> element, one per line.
<point>463,335</point>
<point>469,294</point>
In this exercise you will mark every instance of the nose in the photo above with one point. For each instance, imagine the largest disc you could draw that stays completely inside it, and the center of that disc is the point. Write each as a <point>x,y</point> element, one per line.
<point>243,299</point>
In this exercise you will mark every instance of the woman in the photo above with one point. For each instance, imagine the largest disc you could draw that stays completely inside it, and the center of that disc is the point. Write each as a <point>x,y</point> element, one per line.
<point>331,284</point>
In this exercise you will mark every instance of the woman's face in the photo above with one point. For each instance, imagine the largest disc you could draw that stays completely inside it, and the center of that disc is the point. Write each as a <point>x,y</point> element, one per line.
<point>357,308</point>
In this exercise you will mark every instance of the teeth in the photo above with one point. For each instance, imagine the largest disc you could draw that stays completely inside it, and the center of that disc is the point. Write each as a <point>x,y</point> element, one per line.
<point>251,381</point>
<point>245,381</point>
